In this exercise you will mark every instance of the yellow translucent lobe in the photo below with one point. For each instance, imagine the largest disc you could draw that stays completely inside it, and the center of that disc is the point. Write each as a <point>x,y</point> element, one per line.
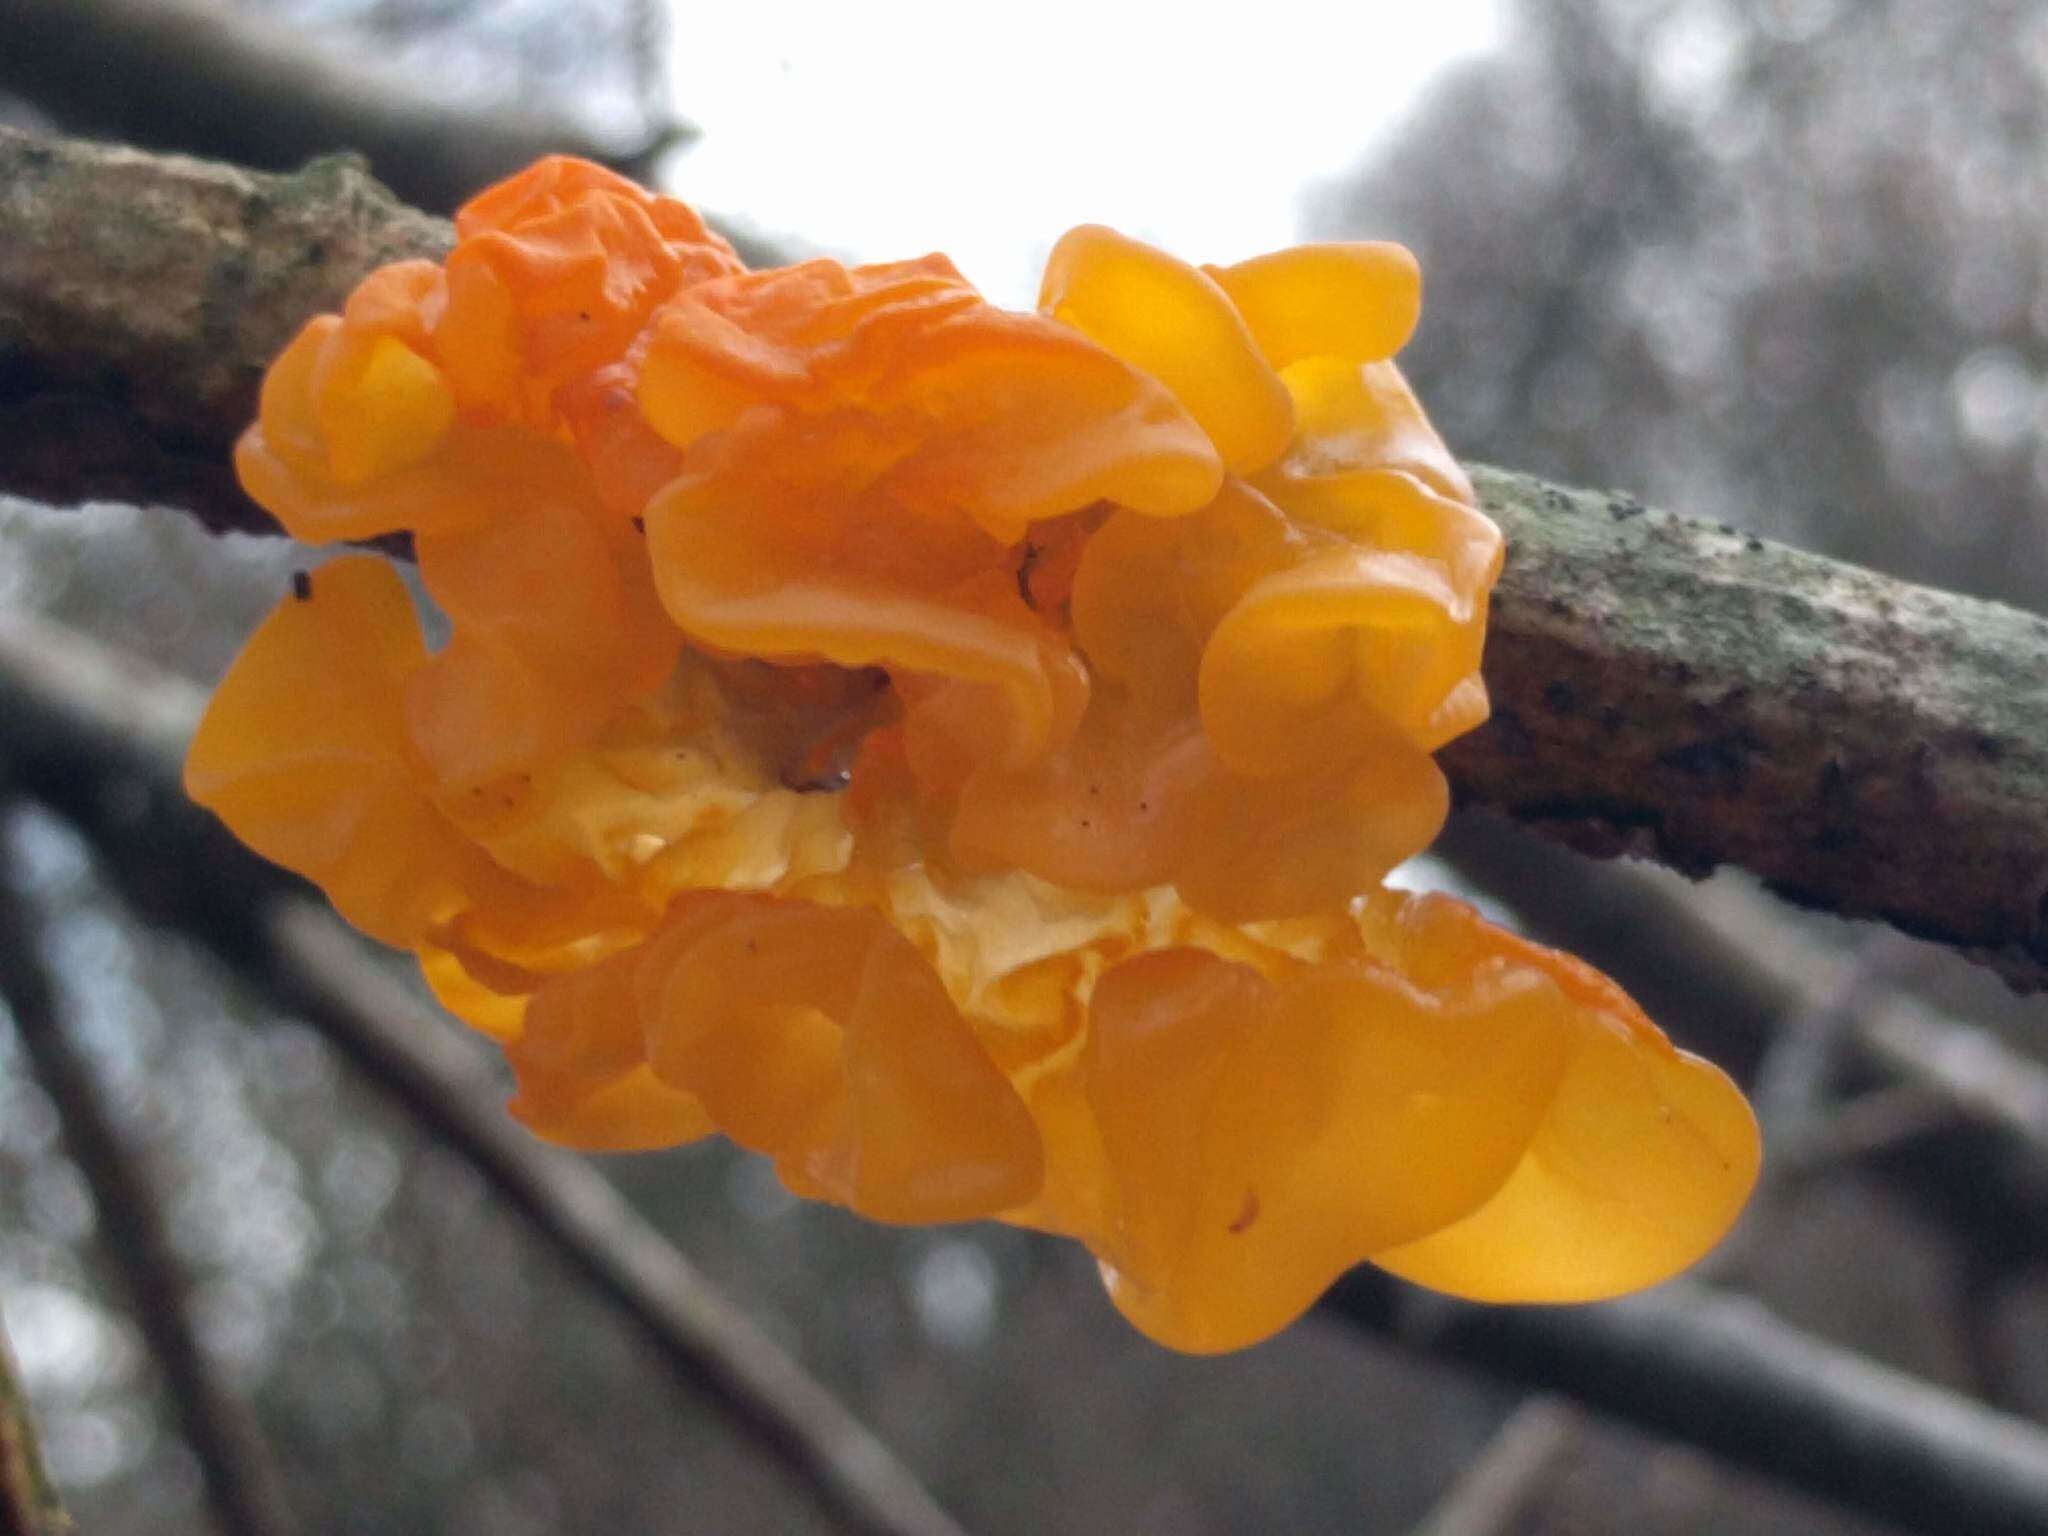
<point>1315,1121</point>
<point>1358,300</point>
<point>303,753</point>
<point>952,753</point>
<point>381,407</point>
<point>1167,319</point>
<point>487,1012</point>
<point>1641,1163</point>
<point>1644,1157</point>
<point>825,1039</point>
<point>581,1061</point>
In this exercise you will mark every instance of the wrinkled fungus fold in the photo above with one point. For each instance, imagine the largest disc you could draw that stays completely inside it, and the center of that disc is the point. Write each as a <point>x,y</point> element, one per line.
<point>953,753</point>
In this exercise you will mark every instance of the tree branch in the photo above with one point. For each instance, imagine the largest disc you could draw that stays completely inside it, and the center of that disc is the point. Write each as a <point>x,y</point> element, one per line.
<point>1685,693</point>
<point>1493,1494</point>
<point>141,297</point>
<point>1662,687</point>
<point>1808,1413</point>
<point>201,78</point>
<point>317,970</point>
<point>241,1481</point>
<point>1719,964</point>
<point>98,741</point>
<point>1722,1373</point>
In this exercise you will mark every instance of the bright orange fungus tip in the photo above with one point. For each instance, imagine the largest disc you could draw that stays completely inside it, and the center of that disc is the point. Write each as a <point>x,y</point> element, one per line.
<point>953,753</point>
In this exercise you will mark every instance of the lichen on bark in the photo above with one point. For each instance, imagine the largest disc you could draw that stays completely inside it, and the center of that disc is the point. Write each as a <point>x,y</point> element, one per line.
<point>1662,687</point>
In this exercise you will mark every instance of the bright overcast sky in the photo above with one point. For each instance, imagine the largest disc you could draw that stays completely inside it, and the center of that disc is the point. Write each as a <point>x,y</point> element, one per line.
<point>882,131</point>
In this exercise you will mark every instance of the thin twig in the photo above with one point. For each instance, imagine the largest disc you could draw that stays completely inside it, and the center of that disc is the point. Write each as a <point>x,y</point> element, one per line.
<point>1497,1489</point>
<point>29,1502</point>
<point>1966,1063</point>
<point>1722,1373</point>
<point>1722,964</point>
<point>1986,1080</point>
<point>117,727</point>
<point>317,970</point>
<point>1807,1046</point>
<point>240,1479</point>
<point>1872,1123</point>
<point>1790,1097</point>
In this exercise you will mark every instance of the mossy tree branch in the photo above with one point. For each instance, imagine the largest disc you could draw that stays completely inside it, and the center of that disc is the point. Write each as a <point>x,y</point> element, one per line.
<point>1662,687</point>
<point>1686,693</point>
<point>140,297</point>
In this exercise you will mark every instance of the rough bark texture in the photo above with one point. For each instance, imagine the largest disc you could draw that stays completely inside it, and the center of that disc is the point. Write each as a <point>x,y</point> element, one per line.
<point>1697,696</point>
<point>140,298</point>
<point>1662,687</point>
<point>209,80</point>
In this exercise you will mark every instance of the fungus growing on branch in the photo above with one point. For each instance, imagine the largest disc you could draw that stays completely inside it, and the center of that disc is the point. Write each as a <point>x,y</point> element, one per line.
<point>954,753</point>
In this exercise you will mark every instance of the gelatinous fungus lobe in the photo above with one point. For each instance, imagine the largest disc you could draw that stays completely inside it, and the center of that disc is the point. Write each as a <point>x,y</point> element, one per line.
<point>953,753</point>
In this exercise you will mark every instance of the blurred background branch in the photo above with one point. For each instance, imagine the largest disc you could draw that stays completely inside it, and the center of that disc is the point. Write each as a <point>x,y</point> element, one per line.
<point>241,1482</point>
<point>1722,1373</point>
<point>208,79</point>
<point>313,965</point>
<point>1492,1496</point>
<point>29,1504</point>
<point>1707,1370</point>
<point>1720,963</point>
<point>62,696</point>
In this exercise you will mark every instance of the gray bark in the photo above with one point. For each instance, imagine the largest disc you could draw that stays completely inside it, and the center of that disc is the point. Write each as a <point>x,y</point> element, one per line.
<point>1662,687</point>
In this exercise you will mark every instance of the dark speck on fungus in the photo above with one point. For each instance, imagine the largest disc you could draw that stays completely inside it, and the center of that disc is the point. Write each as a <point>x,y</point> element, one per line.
<point>1247,1213</point>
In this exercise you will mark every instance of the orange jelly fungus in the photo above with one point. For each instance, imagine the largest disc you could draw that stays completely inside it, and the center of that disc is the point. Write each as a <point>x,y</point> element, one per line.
<point>953,753</point>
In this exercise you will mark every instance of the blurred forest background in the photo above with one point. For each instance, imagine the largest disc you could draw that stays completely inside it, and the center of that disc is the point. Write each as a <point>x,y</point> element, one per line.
<point>1782,263</point>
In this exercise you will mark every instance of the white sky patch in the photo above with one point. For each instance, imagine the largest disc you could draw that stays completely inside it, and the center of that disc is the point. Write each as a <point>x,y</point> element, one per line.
<point>881,132</point>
